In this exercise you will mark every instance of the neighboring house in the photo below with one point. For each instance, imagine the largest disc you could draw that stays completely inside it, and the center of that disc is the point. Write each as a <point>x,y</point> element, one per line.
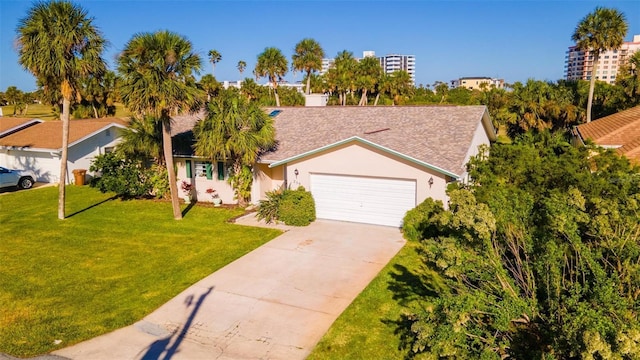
<point>38,147</point>
<point>620,131</point>
<point>362,164</point>
<point>10,125</point>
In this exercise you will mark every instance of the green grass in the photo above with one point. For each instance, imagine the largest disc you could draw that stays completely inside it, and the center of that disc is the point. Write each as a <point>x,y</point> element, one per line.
<point>44,112</point>
<point>368,328</point>
<point>106,266</point>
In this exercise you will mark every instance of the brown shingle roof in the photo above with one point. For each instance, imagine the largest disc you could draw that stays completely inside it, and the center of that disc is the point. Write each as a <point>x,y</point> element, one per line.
<point>48,134</point>
<point>10,123</point>
<point>436,135</point>
<point>621,129</point>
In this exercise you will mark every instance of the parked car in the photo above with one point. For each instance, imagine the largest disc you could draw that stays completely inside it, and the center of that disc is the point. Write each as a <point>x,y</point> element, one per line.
<point>23,179</point>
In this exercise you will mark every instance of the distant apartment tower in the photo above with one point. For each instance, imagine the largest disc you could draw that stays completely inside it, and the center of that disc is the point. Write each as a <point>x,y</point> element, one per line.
<point>578,64</point>
<point>476,83</point>
<point>389,63</point>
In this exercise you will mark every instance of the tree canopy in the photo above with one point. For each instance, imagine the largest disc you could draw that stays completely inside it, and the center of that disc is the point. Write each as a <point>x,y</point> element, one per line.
<point>538,258</point>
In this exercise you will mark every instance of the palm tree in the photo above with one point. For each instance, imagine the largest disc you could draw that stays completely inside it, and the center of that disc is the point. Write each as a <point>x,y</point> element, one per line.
<point>603,29</point>
<point>237,131</point>
<point>209,85</point>
<point>400,85</point>
<point>629,78</point>
<point>307,57</point>
<point>241,66</point>
<point>214,58</point>
<point>273,65</point>
<point>59,45</point>
<point>157,82</point>
<point>142,140</point>
<point>341,75</point>
<point>368,74</point>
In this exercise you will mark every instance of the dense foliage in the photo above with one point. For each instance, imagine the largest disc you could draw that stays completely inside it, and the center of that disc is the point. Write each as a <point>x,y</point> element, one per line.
<point>128,178</point>
<point>538,259</point>
<point>293,207</point>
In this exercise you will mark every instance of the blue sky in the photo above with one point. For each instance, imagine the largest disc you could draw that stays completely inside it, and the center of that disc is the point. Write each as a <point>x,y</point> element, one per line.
<point>513,40</point>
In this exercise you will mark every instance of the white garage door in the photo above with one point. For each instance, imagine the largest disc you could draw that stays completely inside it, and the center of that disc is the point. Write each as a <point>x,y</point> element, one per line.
<point>361,199</point>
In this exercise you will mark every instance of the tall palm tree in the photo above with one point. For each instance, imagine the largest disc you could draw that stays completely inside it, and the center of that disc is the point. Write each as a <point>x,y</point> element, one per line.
<point>341,75</point>
<point>157,81</point>
<point>400,85</point>
<point>214,58</point>
<point>368,74</point>
<point>237,131</point>
<point>307,57</point>
<point>273,65</point>
<point>603,29</point>
<point>59,45</point>
<point>241,66</point>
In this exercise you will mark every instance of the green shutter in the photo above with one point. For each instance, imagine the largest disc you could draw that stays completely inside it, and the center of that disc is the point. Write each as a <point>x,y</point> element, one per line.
<point>220,170</point>
<point>188,169</point>
<point>209,171</point>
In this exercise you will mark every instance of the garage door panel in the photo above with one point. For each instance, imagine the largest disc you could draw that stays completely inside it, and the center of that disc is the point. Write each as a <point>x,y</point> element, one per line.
<point>361,199</point>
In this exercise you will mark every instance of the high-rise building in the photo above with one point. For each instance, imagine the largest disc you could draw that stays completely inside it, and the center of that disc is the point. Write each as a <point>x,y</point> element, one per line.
<point>389,63</point>
<point>578,64</point>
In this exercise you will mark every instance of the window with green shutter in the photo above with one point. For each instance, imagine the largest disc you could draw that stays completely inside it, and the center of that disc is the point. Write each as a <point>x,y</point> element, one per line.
<point>220,170</point>
<point>209,171</point>
<point>188,166</point>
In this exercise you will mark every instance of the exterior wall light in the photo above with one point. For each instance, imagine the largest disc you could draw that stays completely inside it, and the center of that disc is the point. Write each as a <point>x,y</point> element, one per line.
<point>296,172</point>
<point>430,181</point>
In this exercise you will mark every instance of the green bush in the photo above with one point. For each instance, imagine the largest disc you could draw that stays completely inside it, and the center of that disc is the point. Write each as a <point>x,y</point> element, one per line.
<point>268,209</point>
<point>125,177</point>
<point>297,207</point>
<point>293,207</point>
<point>418,222</point>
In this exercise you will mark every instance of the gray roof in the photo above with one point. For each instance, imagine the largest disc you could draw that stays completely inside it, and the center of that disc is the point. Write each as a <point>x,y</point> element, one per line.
<point>436,135</point>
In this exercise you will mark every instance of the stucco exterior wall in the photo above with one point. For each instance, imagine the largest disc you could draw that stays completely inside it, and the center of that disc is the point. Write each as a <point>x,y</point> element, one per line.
<point>357,159</point>
<point>201,183</point>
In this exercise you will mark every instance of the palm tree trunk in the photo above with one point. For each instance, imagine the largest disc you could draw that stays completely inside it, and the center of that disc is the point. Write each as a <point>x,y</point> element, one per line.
<point>592,84</point>
<point>308,82</point>
<point>95,111</point>
<point>66,104</point>
<point>377,98</point>
<point>363,98</point>
<point>275,92</point>
<point>168,158</point>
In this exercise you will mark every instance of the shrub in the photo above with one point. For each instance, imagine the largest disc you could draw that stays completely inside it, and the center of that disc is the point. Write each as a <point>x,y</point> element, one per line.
<point>297,207</point>
<point>418,222</point>
<point>268,209</point>
<point>122,176</point>
<point>293,207</point>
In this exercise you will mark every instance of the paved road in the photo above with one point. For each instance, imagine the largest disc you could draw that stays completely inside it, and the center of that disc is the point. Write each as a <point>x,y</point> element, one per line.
<point>274,303</point>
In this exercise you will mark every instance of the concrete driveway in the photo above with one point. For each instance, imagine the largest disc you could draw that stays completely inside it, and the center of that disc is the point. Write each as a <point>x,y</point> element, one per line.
<point>274,303</point>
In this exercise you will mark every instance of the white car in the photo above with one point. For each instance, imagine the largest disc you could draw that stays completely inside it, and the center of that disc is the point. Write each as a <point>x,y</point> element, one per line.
<point>23,179</point>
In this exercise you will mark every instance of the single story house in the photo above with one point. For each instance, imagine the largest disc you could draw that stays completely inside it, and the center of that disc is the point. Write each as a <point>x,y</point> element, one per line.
<point>361,164</point>
<point>38,148</point>
<point>620,131</point>
<point>10,125</point>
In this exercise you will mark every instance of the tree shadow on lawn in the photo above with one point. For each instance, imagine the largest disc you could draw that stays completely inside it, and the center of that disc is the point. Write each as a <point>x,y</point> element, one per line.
<point>188,208</point>
<point>92,206</point>
<point>410,288</point>
<point>159,347</point>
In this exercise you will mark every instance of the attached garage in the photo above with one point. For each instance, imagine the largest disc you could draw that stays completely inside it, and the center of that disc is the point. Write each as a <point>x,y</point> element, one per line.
<point>370,200</point>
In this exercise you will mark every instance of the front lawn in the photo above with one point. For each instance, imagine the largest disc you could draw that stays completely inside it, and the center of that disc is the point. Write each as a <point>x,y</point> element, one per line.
<point>106,266</point>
